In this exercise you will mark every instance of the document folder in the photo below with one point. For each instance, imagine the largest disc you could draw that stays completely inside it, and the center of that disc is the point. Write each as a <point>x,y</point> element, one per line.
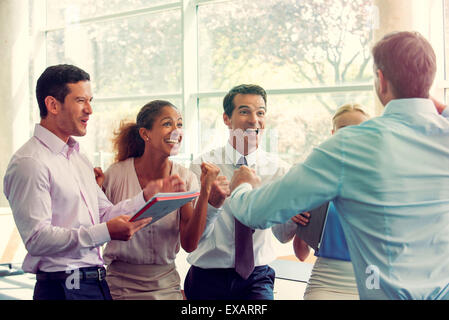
<point>162,204</point>
<point>312,233</point>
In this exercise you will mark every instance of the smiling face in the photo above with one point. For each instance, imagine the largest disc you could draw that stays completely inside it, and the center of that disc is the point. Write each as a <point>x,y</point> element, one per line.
<point>246,122</point>
<point>166,133</point>
<point>69,118</point>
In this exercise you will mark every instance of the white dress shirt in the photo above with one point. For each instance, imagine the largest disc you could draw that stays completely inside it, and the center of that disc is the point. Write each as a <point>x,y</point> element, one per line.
<point>216,248</point>
<point>58,208</point>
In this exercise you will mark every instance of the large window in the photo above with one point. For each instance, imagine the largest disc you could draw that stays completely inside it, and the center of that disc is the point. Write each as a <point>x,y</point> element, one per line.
<point>284,43</point>
<point>311,57</point>
<point>132,50</point>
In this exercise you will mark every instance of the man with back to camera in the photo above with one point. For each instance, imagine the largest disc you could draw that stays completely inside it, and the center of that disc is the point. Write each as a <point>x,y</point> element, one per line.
<point>388,178</point>
<point>231,261</point>
<point>62,215</point>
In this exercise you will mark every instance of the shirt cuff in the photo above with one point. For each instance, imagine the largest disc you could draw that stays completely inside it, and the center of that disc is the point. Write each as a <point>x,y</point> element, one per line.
<point>100,234</point>
<point>243,187</point>
<point>212,212</point>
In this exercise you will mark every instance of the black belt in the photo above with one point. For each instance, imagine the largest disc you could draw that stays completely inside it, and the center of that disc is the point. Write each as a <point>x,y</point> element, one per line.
<point>89,273</point>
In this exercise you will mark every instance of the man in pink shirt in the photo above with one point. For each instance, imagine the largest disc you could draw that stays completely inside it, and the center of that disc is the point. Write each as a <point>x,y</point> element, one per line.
<point>62,215</point>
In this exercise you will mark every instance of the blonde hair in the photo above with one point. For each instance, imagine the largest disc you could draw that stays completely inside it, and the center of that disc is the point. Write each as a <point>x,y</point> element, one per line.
<point>349,107</point>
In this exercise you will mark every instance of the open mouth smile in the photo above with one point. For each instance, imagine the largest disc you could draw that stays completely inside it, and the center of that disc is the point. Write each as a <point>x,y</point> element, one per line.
<point>252,131</point>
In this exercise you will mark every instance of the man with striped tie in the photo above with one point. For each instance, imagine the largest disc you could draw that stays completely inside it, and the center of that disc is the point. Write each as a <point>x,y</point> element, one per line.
<point>231,261</point>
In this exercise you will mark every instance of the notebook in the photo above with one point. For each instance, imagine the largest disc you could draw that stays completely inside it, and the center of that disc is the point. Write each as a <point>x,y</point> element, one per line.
<point>162,204</point>
<point>312,233</point>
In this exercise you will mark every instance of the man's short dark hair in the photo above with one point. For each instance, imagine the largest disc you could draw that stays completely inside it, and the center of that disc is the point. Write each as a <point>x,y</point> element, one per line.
<point>228,104</point>
<point>408,61</point>
<point>53,82</point>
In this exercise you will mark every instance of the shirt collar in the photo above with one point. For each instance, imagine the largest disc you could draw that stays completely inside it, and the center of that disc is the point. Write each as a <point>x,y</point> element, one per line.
<point>54,143</point>
<point>408,106</point>
<point>233,155</point>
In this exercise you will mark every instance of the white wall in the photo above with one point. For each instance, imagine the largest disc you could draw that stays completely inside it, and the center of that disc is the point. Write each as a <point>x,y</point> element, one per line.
<point>14,80</point>
<point>414,15</point>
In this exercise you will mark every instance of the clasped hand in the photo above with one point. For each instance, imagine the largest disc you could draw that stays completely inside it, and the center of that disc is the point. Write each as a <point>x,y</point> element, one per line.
<point>302,218</point>
<point>244,175</point>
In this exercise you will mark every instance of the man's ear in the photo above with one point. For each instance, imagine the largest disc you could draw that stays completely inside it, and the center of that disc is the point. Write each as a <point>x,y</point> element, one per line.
<point>226,120</point>
<point>53,105</point>
<point>382,82</point>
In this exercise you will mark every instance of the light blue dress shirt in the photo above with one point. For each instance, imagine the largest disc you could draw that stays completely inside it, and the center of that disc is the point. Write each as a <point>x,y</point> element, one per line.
<point>389,180</point>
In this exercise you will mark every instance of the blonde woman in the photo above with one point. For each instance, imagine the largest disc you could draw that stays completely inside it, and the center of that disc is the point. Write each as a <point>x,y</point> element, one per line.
<point>332,275</point>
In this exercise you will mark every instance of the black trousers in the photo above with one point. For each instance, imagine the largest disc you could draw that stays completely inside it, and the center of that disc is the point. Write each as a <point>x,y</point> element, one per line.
<point>226,284</point>
<point>71,288</point>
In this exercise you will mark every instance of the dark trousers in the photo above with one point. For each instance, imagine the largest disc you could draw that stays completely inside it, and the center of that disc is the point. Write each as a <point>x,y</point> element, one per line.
<point>68,289</point>
<point>226,284</point>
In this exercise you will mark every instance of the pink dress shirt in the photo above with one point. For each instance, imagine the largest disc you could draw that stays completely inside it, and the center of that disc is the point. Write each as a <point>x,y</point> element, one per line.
<point>58,208</point>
